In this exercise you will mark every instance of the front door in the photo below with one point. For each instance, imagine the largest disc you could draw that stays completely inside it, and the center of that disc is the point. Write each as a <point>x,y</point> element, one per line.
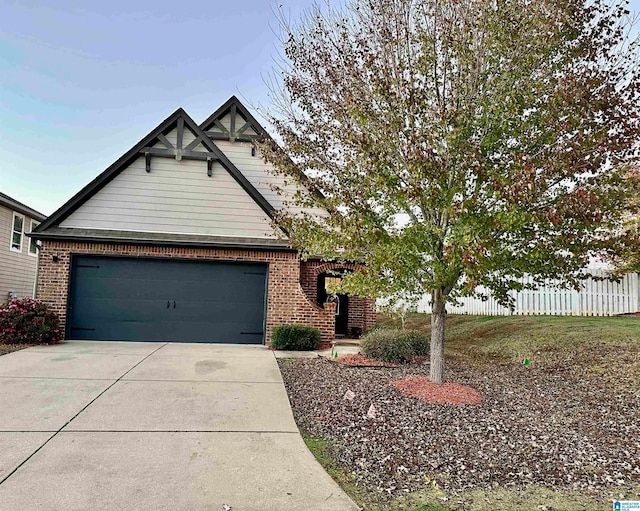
<point>342,314</point>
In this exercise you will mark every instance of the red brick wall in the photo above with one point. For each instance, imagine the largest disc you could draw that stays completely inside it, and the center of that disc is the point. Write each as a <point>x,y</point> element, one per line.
<point>362,311</point>
<point>287,303</point>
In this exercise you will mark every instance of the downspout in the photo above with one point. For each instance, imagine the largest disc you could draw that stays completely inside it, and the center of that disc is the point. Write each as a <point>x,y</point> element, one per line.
<point>35,281</point>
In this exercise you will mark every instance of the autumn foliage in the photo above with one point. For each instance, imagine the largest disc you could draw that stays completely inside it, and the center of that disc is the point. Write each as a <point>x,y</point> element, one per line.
<point>458,144</point>
<point>28,321</point>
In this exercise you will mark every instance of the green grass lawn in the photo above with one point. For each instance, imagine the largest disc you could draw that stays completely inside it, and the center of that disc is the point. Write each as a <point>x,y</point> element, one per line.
<point>508,338</point>
<point>607,348</point>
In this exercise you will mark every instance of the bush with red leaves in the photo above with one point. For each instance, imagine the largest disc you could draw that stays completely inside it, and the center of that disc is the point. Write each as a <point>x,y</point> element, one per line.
<point>28,321</point>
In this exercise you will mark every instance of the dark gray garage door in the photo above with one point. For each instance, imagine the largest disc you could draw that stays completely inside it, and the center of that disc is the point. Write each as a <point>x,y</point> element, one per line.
<point>161,300</point>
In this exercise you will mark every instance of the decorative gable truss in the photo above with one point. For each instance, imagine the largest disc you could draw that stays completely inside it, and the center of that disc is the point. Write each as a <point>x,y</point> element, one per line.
<point>232,122</point>
<point>177,137</point>
<point>186,145</point>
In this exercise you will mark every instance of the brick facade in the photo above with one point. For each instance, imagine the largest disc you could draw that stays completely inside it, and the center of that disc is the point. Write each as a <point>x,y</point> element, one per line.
<point>362,311</point>
<point>287,302</point>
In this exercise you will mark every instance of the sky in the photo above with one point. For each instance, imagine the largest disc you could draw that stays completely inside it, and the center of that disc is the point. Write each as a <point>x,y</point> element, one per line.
<point>82,81</point>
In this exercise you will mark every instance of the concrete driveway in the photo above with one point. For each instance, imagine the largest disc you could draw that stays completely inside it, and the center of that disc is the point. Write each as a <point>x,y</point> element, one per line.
<point>88,425</point>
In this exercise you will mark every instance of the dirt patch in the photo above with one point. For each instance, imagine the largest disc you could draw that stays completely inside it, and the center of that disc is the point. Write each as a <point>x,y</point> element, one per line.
<point>443,394</point>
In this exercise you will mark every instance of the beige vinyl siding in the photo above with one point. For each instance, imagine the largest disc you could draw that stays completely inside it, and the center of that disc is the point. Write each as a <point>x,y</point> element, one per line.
<point>17,269</point>
<point>175,197</point>
<point>171,137</point>
<point>226,121</point>
<point>260,174</point>
<point>187,138</point>
<point>240,122</point>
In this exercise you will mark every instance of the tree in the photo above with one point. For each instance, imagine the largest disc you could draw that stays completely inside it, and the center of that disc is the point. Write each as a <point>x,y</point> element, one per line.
<point>625,255</point>
<point>457,143</point>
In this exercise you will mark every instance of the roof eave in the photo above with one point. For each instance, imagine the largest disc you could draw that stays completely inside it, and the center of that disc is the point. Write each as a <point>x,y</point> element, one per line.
<point>113,240</point>
<point>23,209</point>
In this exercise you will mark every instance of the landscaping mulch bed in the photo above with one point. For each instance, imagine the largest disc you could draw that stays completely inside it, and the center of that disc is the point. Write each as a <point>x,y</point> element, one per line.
<point>8,348</point>
<point>359,360</point>
<point>535,426</point>
<point>449,393</point>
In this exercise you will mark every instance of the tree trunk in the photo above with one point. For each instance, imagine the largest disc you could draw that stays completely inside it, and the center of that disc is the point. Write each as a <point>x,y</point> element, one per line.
<point>438,313</point>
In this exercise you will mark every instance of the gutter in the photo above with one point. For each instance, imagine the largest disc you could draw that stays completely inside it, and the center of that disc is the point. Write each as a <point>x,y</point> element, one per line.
<point>160,243</point>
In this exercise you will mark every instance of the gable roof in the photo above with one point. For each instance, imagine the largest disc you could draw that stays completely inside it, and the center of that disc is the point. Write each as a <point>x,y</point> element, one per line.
<point>234,108</point>
<point>179,119</point>
<point>13,204</point>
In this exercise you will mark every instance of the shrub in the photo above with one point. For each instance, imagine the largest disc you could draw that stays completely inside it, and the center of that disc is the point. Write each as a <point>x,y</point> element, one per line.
<point>394,345</point>
<point>387,345</point>
<point>27,321</point>
<point>295,337</point>
<point>419,341</point>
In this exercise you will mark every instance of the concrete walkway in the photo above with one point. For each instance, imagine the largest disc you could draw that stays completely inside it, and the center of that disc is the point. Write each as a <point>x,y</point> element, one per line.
<point>153,426</point>
<point>339,349</point>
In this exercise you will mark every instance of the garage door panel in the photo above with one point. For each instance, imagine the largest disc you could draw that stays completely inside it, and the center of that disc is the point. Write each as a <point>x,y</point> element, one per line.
<point>217,296</point>
<point>109,309</point>
<point>236,333</point>
<point>166,300</point>
<point>120,267</point>
<point>124,331</point>
<point>235,283</point>
<point>120,287</point>
<point>141,331</point>
<point>219,312</point>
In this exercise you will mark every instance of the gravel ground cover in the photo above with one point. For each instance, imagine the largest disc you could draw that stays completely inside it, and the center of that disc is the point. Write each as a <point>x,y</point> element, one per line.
<point>550,426</point>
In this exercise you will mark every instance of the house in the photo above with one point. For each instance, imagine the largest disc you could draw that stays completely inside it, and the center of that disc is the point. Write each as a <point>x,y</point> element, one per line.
<point>19,254</point>
<point>176,242</point>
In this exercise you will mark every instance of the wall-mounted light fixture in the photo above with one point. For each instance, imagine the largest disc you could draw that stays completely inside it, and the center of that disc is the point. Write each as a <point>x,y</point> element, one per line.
<point>55,258</point>
<point>253,151</point>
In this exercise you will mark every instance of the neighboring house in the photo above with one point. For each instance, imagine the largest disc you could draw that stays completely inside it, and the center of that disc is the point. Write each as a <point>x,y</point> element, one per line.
<point>175,242</point>
<point>18,253</point>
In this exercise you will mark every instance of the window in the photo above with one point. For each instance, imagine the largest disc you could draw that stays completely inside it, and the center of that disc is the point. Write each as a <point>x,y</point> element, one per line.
<point>331,281</point>
<point>33,244</point>
<point>17,232</point>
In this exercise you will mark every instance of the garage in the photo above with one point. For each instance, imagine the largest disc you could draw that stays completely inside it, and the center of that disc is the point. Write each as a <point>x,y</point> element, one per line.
<point>142,299</point>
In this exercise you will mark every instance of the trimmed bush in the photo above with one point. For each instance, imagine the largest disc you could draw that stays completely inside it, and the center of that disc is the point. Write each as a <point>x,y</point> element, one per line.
<point>387,345</point>
<point>295,337</point>
<point>394,345</point>
<point>27,321</point>
<point>419,341</point>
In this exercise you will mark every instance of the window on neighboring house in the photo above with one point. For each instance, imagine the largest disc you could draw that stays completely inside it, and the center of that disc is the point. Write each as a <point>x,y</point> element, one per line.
<point>33,244</point>
<point>17,232</point>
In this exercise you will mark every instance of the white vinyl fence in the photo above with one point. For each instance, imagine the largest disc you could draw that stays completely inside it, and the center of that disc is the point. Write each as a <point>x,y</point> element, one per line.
<point>596,298</point>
